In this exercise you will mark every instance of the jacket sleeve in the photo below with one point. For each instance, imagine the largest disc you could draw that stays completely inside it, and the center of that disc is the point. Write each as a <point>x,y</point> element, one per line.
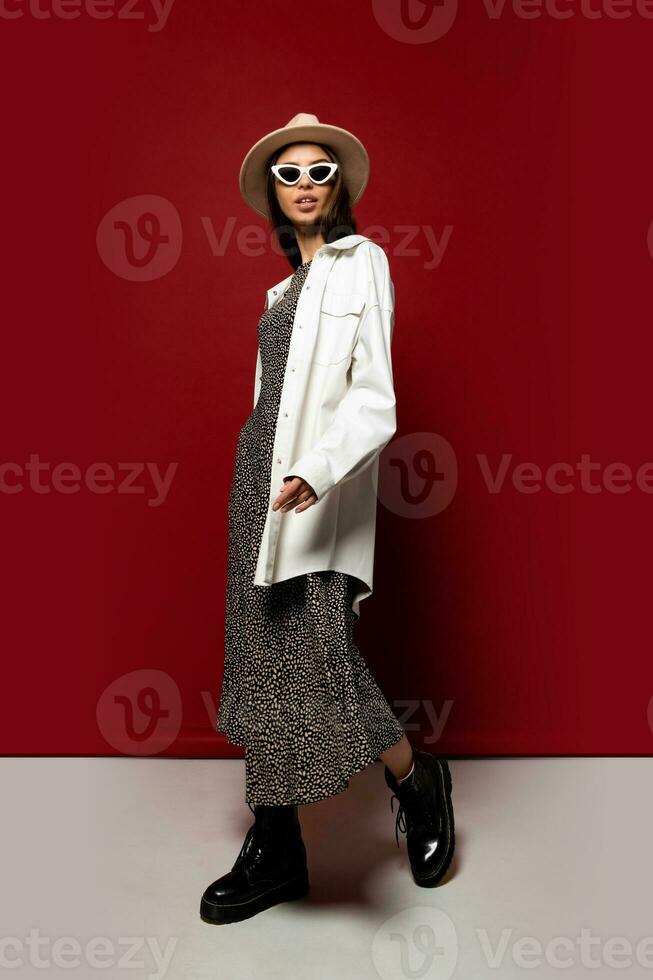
<point>257,376</point>
<point>365,419</point>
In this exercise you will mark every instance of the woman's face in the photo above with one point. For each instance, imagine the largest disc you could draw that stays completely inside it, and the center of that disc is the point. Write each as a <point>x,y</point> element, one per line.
<point>304,202</point>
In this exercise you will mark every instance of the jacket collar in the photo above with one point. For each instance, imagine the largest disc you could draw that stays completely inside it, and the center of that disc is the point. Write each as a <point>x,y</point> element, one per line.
<point>349,241</point>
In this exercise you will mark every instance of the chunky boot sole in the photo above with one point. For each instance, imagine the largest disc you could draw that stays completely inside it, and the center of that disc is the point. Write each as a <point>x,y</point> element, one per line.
<point>286,891</point>
<point>443,775</point>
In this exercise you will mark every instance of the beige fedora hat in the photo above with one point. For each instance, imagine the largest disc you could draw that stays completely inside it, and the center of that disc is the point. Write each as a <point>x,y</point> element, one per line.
<point>303,128</point>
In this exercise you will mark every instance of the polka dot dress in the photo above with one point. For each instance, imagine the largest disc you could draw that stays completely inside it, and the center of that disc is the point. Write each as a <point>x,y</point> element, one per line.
<point>296,692</point>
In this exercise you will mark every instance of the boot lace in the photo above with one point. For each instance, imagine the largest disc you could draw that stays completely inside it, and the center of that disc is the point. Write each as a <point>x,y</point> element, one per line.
<point>251,833</point>
<point>415,811</point>
<point>264,834</point>
<point>400,823</point>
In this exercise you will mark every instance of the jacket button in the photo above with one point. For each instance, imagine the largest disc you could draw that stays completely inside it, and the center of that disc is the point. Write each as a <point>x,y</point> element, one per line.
<point>274,292</point>
<point>278,461</point>
<point>286,414</point>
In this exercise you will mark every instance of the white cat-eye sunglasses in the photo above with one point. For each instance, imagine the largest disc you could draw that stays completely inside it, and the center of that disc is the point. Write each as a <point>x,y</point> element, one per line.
<point>289,173</point>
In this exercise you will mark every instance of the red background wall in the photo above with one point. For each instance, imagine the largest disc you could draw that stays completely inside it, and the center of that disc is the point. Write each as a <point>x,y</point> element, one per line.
<point>522,145</point>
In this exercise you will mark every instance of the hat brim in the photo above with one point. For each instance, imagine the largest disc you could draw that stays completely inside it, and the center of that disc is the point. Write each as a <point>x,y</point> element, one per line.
<point>351,154</point>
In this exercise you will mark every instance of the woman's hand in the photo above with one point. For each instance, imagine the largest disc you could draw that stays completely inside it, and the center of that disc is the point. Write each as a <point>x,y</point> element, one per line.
<point>295,491</point>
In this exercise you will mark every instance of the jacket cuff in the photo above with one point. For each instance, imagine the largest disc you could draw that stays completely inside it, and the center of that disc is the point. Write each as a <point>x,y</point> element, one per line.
<point>314,470</point>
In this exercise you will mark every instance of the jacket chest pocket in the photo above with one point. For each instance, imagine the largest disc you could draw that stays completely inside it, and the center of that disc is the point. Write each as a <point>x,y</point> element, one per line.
<point>339,318</point>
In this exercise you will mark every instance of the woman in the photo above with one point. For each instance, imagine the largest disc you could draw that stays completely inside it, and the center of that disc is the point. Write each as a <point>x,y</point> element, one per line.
<point>296,691</point>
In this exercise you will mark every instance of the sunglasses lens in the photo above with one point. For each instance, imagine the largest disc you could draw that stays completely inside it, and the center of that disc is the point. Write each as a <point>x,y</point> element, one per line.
<point>319,173</point>
<point>290,174</point>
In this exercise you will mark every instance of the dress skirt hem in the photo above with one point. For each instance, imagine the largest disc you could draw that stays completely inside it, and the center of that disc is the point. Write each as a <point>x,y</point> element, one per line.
<point>338,784</point>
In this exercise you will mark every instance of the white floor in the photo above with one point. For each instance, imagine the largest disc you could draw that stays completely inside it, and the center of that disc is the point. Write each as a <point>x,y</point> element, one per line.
<point>103,863</point>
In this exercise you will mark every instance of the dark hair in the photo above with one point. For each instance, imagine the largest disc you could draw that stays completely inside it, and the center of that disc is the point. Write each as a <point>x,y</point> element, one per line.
<point>336,222</point>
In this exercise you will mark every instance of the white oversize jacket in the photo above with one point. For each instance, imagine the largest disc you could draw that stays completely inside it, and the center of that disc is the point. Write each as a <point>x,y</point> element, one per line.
<point>336,414</point>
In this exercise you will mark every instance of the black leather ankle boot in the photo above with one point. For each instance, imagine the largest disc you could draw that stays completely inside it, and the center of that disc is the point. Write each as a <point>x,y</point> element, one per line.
<point>270,868</point>
<point>425,815</point>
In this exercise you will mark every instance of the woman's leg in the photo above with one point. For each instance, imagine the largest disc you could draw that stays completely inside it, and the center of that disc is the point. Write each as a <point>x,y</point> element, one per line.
<point>399,758</point>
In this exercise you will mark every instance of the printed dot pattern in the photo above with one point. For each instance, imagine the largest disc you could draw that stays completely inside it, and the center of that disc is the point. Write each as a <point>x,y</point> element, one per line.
<point>296,692</point>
